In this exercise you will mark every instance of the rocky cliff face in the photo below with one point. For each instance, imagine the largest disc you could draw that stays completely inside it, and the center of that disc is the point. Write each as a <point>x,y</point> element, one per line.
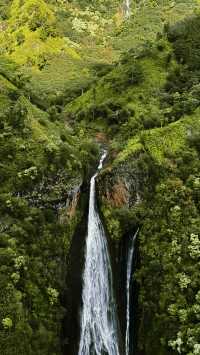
<point>120,186</point>
<point>75,262</point>
<point>121,189</point>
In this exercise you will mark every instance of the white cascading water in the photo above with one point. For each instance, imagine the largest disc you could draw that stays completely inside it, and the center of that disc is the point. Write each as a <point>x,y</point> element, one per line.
<point>127,8</point>
<point>128,284</point>
<point>98,317</point>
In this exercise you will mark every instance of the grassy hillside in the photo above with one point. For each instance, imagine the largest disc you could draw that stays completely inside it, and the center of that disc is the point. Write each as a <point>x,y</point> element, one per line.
<point>57,44</point>
<point>63,46</point>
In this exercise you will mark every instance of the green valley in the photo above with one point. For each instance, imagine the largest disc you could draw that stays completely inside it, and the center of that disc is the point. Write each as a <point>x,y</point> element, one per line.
<point>78,77</point>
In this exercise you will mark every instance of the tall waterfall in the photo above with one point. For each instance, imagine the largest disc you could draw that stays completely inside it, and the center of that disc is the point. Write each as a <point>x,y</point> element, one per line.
<point>128,284</point>
<point>98,317</point>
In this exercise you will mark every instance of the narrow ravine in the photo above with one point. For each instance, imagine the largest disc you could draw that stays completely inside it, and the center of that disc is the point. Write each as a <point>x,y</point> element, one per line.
<point>99,335</point>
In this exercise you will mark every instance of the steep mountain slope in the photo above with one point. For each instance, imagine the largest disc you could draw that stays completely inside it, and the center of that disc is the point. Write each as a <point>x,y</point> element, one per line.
<point>42,168</point>
<point>153,183</point>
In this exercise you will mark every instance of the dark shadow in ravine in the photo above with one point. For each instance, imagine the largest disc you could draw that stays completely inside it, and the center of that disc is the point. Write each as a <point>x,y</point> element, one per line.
<point>72,297</point>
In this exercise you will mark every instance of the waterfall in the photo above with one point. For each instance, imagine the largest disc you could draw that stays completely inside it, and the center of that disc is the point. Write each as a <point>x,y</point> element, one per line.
<point>128,284</point>
<point>98,316</point>
<point>127,9</point>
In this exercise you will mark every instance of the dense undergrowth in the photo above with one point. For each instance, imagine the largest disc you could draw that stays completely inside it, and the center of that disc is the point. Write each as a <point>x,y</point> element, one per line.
<point>69,70</point>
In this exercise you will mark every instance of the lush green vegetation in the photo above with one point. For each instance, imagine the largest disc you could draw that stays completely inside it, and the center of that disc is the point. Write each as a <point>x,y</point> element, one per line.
<point>153,184</point>
<point>69,71</point>
<point>42,162</point>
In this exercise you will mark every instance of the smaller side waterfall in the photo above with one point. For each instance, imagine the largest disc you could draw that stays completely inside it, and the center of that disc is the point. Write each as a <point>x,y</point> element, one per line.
<point>128,284</point>
<point>127,9</point>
